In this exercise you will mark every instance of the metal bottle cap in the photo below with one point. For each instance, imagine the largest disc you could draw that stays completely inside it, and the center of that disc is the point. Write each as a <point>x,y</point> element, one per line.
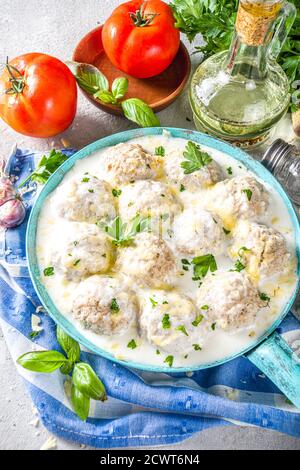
<point>274,154</point>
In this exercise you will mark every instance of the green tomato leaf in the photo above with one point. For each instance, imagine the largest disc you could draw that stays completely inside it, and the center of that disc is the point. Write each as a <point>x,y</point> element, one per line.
<point>42,361</point>
<point>139,112</point>
<point>119,87</point>
<point>87,382</point>
<point>80,403</point>
<point>68,344</point>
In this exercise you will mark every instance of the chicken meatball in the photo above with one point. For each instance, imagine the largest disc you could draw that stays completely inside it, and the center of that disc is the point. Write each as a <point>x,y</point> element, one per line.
<point>232,301</point>
<point>128,162</point>
<point>262,249</point>
<point>85,199</point>
<point>148,198</point>
<point>149,261</point>
<point>170,321</point>
<point>86,251</point>
<point>105,306</point>
<point>238,198</point>
<point>197,232</point>
<point>206,176</point>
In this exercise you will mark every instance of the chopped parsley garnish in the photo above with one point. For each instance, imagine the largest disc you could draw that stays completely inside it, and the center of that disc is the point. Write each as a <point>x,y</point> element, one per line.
<point>204,307</point>
<point>132,344</point>
<point>90,190</point>
<point>197,347</point>
<point>229,170</point>
<point>185,268</point>
<point>75,243</point>
<point>248,193</point>
<point>49,271</point>
<point>265,298</point>
<point>226,231</point>
<point>85,179</point>
<point>202,264</point>
<point>114,306</point>
<point>169,360</point>
<point>157,351</point>
<point>160,151</point>
<point>182,188</point>
<point>166,324</point>
<point>213,326</point>
<point>116,192</point>
<point>165,302</point>
<point>182,329</point>
<point>76,262</point>
<point>197,320</point>
<point>186,356</point>
<point>153,302</point>
<point>239,266</point>
<point>185,261</point>
<point>195,158</point>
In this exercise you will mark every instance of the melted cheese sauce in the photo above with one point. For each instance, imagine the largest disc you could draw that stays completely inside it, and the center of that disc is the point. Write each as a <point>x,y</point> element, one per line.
<point>52,230</point>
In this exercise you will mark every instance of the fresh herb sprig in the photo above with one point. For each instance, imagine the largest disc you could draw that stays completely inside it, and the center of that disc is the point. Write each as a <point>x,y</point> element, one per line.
<point>195,159</point>
<point>203,264</point>
<point>86,385</point>
<point>122,234</point>
<point>47,165</point>
<point>95,83</point>
<point>215,21</point>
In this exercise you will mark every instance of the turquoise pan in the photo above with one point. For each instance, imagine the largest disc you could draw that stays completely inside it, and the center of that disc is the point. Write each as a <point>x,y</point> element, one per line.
<point>269,352</point>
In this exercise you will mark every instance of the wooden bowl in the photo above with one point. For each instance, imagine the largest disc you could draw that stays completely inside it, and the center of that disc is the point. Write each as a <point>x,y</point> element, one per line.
<point>159,91</point>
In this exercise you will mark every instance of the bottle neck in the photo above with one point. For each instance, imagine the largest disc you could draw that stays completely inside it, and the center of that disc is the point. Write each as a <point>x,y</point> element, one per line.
<point>246,61</point>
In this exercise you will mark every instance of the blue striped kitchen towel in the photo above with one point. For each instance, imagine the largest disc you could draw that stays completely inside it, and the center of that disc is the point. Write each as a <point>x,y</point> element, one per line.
<point>143,409</point>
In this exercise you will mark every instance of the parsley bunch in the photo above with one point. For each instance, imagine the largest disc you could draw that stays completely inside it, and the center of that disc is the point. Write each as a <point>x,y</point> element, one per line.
<point>215,20</point>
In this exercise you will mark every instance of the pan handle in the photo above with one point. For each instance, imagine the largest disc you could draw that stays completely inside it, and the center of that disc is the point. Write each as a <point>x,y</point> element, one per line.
<point>277,360</point>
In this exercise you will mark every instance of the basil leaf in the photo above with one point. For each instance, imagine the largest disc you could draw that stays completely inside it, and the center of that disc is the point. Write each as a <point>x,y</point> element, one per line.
<point>105,96</point>
<point>119,87</point>
<point>66,368</point>
<point>42,361</point>
<point>68,344</point>
<point>139,112</point>
<point>88,77</point>
<point>87,382</point>
<point>80,403</point>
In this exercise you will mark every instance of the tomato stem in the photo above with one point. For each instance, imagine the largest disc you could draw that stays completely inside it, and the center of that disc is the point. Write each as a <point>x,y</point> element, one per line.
<point>16,79</point>
<point>142,19</point>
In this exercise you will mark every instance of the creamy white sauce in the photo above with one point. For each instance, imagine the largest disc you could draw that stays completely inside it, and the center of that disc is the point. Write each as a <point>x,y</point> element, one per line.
<point>52,230</point>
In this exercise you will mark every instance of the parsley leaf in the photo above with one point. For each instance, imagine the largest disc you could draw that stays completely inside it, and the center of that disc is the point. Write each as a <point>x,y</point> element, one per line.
<point>197,320</point>
<point>160,151</point>
<point>226,231</point>
<point>195,158</point>
<point>182,188</point>
<point>46,166</point>
<point>114,306</point>
<point>229,170</point>
<point>49,271</point>
<point>248,193</point>
<point>166,324</point>
<point>153,302</point>
<point>132,344</point>
<point>182,329</point>
<point>116,192</point>
<point>265,298</point>
<point>197,347</point>
<point>202,264</point>
<point>169,360</point>
<point>239,266</point>
<point>121,234</point>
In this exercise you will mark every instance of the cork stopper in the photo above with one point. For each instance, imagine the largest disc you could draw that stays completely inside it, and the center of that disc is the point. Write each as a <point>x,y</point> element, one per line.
<point>254,20</point>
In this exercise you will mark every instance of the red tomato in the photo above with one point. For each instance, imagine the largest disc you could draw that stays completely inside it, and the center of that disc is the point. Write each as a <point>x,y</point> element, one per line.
<point>140,38</point>
<point>38,95</point>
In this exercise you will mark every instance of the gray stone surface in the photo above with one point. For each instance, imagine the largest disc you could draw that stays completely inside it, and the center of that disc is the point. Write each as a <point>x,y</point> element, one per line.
<point>54,27</point>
